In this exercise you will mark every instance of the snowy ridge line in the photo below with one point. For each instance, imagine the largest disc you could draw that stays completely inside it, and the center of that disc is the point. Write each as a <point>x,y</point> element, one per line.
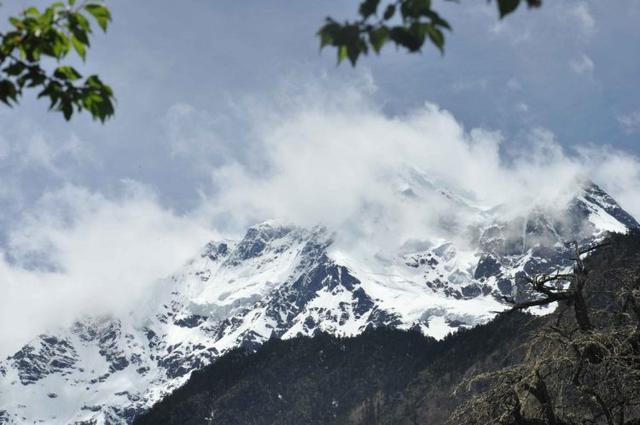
<point>280,281</point>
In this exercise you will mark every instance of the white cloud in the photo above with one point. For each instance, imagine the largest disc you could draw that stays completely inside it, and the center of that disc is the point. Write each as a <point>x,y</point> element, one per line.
<point>569,20</point>
<point>27,146</point>
<point>522,107</point>
<point>581,15</point>
<point>515,35</point>
<point>79,252</point>
<point>582,65</point>
<point>191,132</point>
<point>630,122</point>
<point>514,84</point>
<point>474,84</point>
<point>618,172</point>
<point>318,156</point>
<point>339,163</point>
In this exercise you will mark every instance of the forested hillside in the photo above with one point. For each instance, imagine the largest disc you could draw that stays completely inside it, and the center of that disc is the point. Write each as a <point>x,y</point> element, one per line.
<point>381,377</point>
<point>329,380</point>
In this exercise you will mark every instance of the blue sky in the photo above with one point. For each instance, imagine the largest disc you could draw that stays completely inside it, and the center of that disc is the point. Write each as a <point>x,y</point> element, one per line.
<point>571,67</point>
<point>218,98</point>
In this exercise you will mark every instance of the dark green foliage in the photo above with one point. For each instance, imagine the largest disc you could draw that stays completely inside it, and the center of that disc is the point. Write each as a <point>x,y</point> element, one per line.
<point>328,380</point>
<point>53,33</point>
<point>405,23</point>
<point>583,366</point>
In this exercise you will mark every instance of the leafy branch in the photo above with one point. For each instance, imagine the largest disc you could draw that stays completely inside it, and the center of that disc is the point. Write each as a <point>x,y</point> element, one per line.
<point>54,32</point>
<point>406,23</point>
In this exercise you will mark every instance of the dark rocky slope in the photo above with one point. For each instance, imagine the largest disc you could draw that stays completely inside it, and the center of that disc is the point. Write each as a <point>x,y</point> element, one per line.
<point>329,380</point>
<point>383,376</point>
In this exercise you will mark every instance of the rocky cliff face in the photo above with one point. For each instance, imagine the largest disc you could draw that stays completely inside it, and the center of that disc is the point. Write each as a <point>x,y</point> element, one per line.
<point>280,281</point>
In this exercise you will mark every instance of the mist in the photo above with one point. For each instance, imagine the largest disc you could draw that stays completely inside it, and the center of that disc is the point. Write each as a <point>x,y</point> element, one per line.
<point>79,253</point>
<point>319,155</point>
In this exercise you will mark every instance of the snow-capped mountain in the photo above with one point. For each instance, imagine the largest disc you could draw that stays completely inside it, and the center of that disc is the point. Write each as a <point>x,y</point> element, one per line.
<point>280,281</point>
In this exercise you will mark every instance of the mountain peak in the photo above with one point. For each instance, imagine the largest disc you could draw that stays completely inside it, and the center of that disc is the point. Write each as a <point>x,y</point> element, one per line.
<point>281,280</point>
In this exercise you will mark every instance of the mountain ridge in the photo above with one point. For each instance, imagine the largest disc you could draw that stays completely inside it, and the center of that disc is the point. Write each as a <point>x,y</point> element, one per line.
<point>386,376</point>
<point>281,281</point>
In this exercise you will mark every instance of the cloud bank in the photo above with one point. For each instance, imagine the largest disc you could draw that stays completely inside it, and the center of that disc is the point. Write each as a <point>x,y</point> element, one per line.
<point>81,253</point>
<point>311,155</point>
<point>339,160</point>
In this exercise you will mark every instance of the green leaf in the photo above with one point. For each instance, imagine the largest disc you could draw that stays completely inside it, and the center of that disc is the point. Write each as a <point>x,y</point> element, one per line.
<point>79,35</point>
<point>14,69</point>
<point>34,77</point>
<point>66,73</point>
<point>353,51</point>
<point>437,20</point>
<point>368,8</point>
<point>101,14</point>
<point>94,82</point>
<point>79,23</point>
<point>342,53</point>
<point>436,36</point>
<point>32,25</point>
<point>67,108</point>
<point>79,47</point>
<point>53,91</point>
<point>389,12</point>
<point>328,33</point>
<point>60,44</point>
<point>507,6</point>
<point>8,92</point>
<point>97,98</point>
<point>31,11</point>
<point>403,37</point>
<point>422,6</point>
<point>12,40</point>
<point>378,37</point>
<point>16,23</point>
<point>419,32</point>
<point>22,52</point>
<point>48,17</point>
<point>414,8</point>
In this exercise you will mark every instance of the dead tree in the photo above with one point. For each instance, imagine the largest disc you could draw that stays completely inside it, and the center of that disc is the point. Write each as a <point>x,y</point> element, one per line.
<point>551,289</point>
<point>573,373</point>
